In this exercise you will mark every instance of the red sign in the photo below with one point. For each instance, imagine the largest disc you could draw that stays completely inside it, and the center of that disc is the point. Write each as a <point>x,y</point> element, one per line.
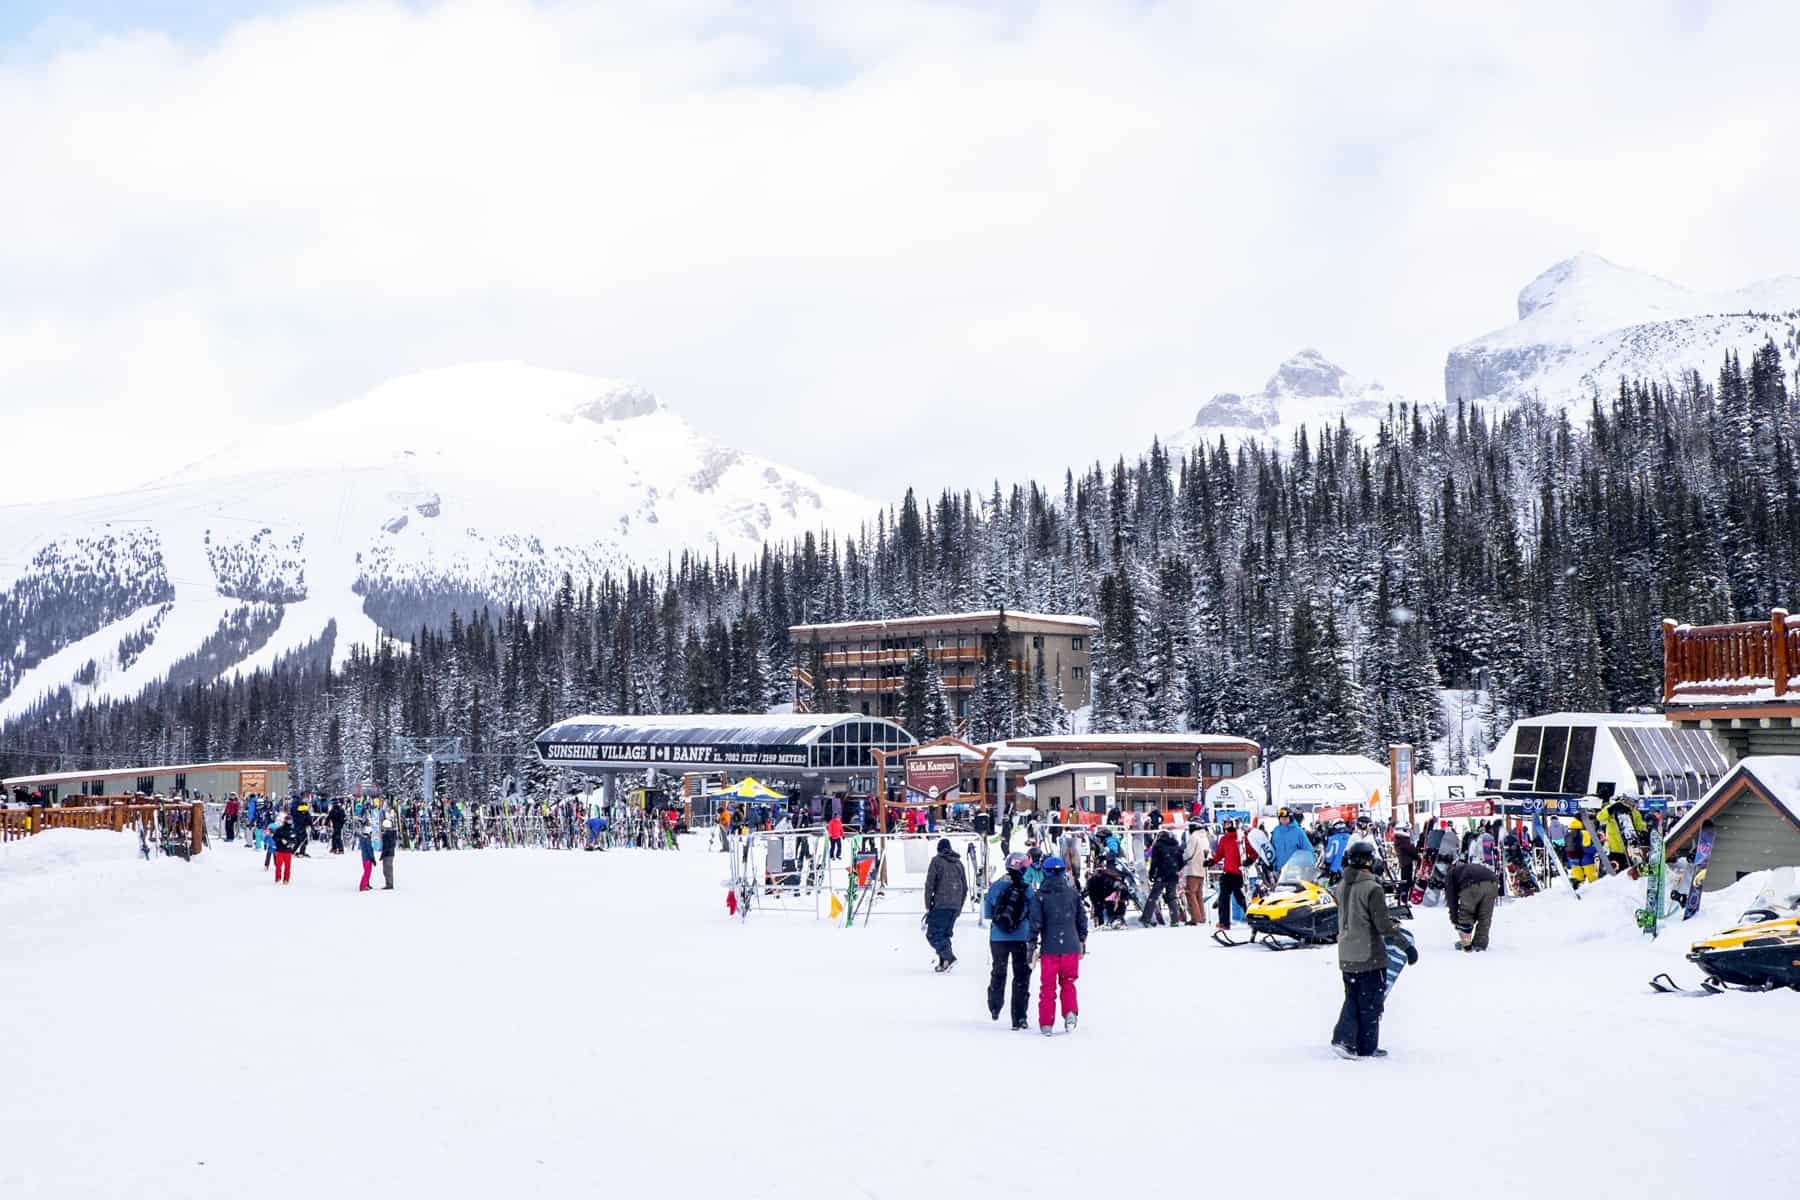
<point>933,776</point>
<point>1466,808</point>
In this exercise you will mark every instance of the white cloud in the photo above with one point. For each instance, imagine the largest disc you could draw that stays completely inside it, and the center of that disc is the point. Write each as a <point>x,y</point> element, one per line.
<point>888,244</point>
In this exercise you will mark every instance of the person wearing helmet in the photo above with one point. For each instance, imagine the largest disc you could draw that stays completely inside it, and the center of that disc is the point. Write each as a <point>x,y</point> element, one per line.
<point>1363,834</point>
<point>1470,892</point>
<point>1335,845</point>
<point>1578,854</point>
<point>365,845</point>
<point>946,888</point>
<point>1007,909</point>
<point>1288,839</point>
<point>1364,929</point>
<point>1060,923</point>
<point>1194,851</point>
<point>390,842</point>
<point>286,835</point>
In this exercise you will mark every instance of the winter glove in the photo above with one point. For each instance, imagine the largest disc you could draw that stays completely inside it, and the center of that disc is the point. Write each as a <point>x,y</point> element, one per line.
<point>1412,954</point>
<point>1084,949</point>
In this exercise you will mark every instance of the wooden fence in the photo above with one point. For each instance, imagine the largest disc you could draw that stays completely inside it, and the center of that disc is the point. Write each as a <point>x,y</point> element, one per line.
<point>1738,660</point>
<point>104,813</point>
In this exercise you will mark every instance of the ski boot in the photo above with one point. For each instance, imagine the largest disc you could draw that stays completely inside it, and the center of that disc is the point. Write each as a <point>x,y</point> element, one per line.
<point>1070,1020</point>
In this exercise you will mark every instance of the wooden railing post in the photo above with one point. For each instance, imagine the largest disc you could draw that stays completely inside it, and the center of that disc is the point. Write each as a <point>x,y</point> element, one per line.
<point>1778,651</point>
<point>197,835</point>
<point>1671,663</point>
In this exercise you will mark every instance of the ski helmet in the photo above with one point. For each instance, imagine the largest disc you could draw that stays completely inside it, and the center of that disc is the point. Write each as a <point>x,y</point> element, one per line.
<point>1017,862</point>
<point>1361,856</point>
<point>1053,863</point>
<point>1362,822</point>
<point>1339,827</point>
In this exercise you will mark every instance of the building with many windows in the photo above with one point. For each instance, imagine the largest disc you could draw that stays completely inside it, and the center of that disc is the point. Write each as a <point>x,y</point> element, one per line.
<point>1155,770</point>
<point>860,666</point>
<point>260,777</point>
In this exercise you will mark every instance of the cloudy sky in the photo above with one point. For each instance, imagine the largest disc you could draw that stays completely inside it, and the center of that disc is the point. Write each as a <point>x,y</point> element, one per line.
<point>886,243</point>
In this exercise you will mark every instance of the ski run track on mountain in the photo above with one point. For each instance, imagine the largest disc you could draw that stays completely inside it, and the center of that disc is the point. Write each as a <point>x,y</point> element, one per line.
<point>549,1024</point>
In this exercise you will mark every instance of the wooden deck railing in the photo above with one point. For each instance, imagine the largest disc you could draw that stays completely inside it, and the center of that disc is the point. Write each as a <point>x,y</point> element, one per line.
<point>16,823</point>
<point>1736,661</point>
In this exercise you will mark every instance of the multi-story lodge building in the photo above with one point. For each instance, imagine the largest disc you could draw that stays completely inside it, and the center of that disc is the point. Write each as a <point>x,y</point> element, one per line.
<point>860,665</point>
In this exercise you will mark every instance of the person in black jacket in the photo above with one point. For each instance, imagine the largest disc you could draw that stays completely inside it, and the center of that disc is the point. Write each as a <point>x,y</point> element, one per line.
<point>390,842</point>
<point>1408,856</point>
<point>1165,878</point>
<point>336,817</point>
<point>1470,892</point>
<point>285,835</point>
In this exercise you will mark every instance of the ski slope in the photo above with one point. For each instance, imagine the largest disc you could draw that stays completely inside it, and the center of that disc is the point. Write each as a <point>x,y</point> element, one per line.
<point>555,1024</point>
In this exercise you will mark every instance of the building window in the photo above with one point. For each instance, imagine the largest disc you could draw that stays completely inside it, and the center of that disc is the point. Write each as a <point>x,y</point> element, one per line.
<point>865,708</point>
<point>95,787</point>
<point>181,781</point>
<point>962,643</point>
<point>1037,643</point>
<point>1078,672</point>
<point>1074,643</point>
<point>1141,769</point>
<point>146,784</point>
<point>1179,770</point>
<point>962,706</point>
<point>1220,770</point>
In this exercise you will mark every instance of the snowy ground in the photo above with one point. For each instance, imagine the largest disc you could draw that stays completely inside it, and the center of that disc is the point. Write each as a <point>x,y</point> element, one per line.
<point>534,1023</point>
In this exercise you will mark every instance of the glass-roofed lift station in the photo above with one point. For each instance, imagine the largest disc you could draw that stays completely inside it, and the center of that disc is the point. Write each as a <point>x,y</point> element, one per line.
<point>815,758</point>
<point>1570,755</point>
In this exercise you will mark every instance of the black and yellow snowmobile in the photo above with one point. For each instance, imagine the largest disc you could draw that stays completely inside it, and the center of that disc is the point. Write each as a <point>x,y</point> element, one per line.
<point>1298,911</point>
<point>1759,954</point>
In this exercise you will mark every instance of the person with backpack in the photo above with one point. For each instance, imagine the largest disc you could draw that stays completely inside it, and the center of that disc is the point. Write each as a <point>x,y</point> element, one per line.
<point>1364,930</point>
<point>946,888</point>
<point>1007,907</point>
<point>1060,923</point>
<point>1165,875</point>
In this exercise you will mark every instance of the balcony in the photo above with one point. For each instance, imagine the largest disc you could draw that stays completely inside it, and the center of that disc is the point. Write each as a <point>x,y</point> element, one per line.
<point>1746,663</point>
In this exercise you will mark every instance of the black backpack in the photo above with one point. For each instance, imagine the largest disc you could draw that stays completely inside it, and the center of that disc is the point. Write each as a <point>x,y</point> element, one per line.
<point>1009,908</point>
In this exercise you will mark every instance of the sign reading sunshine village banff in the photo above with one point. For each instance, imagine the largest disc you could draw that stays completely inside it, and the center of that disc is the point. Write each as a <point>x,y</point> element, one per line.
<point>683,753</point>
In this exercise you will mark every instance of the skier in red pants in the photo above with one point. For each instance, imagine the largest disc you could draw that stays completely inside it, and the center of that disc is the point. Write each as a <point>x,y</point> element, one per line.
<point>1061,923</point>
<point>284,851</point>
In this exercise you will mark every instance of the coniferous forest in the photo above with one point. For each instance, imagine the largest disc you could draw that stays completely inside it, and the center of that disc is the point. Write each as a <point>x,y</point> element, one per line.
<point>1317,598</point>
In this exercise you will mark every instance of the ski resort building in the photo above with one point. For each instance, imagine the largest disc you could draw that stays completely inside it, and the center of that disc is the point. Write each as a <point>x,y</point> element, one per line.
<point>1155,770</point>
<point>1554,761</point>
<point>1740,683</point>
<point>807,757</point>
<point>1755,813</point>
<point>860,666</point>
<point>258,777</point>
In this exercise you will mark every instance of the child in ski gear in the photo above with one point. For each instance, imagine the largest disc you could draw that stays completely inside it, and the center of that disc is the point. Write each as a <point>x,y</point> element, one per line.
<point>1470,892</point>
<point>284,851</point>
<point>1060,922</point>
<point>1289,839</point>
<point>1364,930</point>
<point>1229,856</point>
<point>366,845</point>
<point>390,842</point>
<point>946,888</point>
<point>1165,875</point>
<point>231,816</point>
<point>1007,908</point>
<point>1578,854</point>
<point>1193,873</point>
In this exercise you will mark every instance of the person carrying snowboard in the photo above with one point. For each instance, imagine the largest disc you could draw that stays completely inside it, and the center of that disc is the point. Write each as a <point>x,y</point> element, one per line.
<point>1165,876</point>
<point>946,888</point>
<point>1470,891</point>
<point>1060,923</point>
<point>1625,833</point>
<point>1007,908</point>
<point>1365,928</point>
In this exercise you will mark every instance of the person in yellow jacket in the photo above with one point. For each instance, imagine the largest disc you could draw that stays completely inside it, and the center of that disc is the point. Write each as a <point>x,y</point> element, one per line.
<point>1578,854</point>
<point>1618,817</point>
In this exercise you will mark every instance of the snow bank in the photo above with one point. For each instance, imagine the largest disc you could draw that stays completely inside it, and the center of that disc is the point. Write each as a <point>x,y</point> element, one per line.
<point>65,850</point>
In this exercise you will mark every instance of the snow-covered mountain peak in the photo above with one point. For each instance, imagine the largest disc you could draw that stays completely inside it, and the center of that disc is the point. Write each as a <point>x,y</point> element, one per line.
<point>1307,374</point>
<point>1589,293</point>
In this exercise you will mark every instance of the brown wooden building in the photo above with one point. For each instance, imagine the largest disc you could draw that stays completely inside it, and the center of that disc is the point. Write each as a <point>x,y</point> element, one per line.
<point>1156,770</point>
<point>854,666</point>
<point>1738,682</point>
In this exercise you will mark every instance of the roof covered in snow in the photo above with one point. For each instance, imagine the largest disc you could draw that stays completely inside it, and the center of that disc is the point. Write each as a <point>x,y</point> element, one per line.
<point>700,741</point>
<point>985,616</point>
<point>1071,768</point>
<point>1777,778</point>
<point>62,777</point>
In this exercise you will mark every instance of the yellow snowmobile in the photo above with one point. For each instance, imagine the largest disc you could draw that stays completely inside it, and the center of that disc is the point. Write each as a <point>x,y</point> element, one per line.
<point>1759,954</point>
